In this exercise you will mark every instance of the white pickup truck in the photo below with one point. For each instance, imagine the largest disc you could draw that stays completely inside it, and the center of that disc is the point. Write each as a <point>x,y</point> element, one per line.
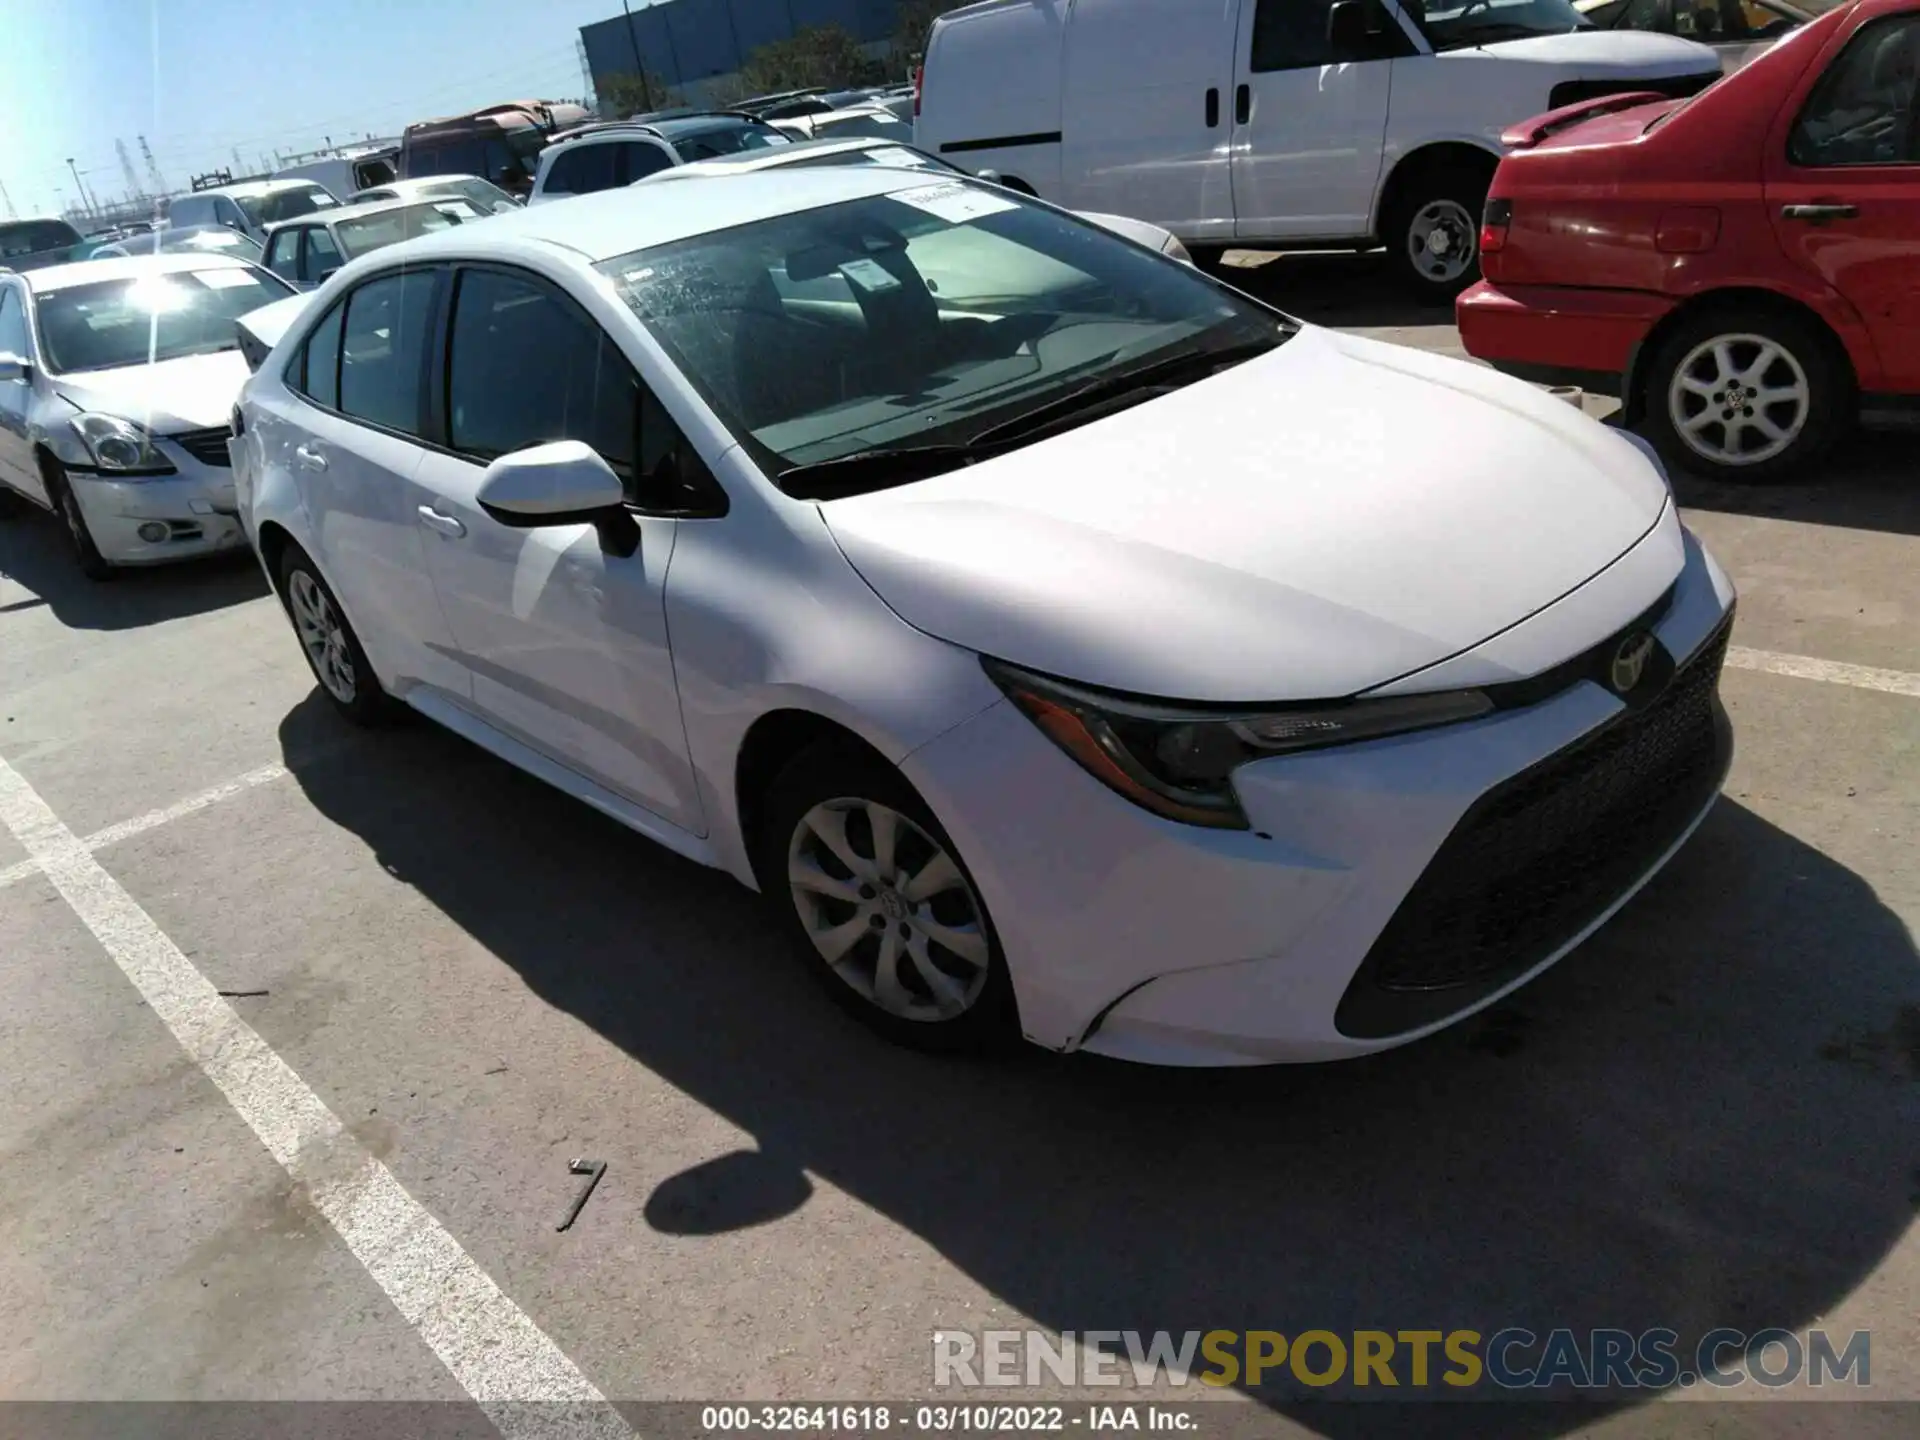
<point>1336,124</point>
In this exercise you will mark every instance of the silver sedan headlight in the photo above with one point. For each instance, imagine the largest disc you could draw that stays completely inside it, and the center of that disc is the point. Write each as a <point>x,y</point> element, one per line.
<point>120,447</point>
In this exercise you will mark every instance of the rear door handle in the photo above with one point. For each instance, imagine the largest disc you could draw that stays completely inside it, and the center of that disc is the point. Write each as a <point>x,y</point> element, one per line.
<point>1817,213</point>
<point>1213,108</point>
<point>1243,105</point>
<point>310,456</point>
<point>445,524</point>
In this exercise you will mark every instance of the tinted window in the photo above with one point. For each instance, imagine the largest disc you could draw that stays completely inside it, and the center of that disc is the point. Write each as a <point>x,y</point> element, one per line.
<point>320,363</point>
<point>525,367</point>
<point>1291,35</point>
<point>582,170</point>
<point>30,236</point>
<point>323,255</point>
<point>383,349</point>
<point>226,212</point>
<point>189,211</point>
<point>283,254</point>
<point>13,324</point>
<point>640,160</point>
<point>1866,108</point>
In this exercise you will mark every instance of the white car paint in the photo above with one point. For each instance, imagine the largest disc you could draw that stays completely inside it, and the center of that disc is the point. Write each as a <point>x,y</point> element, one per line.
<point>1258,536</point>
<point>1103,105</point>
<point>168,399</point>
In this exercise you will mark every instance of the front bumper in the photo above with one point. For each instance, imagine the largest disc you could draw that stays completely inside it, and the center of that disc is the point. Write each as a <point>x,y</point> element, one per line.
<point>1557,333</point>
<point>195,506</point>
<point>1142,939</point>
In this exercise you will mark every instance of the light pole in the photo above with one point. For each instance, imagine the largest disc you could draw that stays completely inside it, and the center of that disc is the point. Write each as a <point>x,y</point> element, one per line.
<point>86,201</point>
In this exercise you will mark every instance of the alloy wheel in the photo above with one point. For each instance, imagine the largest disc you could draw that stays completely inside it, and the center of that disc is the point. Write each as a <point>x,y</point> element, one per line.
<point>1739,399</point>
<point>888,909</point>
<point>1441,241</point>
<point>323,634</point>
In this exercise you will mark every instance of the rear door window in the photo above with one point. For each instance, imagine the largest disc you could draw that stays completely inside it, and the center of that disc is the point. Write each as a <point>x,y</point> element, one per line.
<point>640,159</point>
<point>323,255</point>
<point>383,350</point>
<point>317,373</point>
<point>283,253</point>
<point>583,170</point>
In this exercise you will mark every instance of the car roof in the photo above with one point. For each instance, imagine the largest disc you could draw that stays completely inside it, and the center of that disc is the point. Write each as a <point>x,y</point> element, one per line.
<point>330,213</point>
<point>635,217</point>
<point>774,156</point>
<point>129,267</point>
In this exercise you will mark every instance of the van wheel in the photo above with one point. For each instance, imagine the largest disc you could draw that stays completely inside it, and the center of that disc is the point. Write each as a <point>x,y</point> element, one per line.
<point>879,904</point>
<point>86,554</point>
<point>1745,396</point>
<point>1433,233</point>
<point>332,649</point>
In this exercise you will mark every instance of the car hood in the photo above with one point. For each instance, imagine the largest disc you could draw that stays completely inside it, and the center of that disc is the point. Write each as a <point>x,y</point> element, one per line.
<point>195,392</point>
<point>1311,524</point>
<point>1600,53</point>
<point>267,324</point>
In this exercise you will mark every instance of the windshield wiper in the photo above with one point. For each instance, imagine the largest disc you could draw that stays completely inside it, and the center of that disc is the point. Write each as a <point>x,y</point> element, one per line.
<point>885,465</point>
<point>1094,395</point>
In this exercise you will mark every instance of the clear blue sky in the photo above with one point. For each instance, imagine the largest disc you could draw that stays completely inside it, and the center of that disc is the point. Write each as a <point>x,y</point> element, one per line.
<point>200,77</point>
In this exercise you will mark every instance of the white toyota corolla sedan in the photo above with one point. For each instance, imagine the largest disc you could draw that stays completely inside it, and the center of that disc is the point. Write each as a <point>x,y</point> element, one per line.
<point>1065,643</point>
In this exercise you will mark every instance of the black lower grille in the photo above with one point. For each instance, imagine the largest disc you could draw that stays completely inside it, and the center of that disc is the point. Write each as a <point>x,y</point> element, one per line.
<point>1676,87</point>
<point>209,447</point>
<point>1539,857</point>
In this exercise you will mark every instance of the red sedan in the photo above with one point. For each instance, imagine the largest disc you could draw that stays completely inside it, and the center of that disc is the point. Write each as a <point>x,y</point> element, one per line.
<point>1742,267</point>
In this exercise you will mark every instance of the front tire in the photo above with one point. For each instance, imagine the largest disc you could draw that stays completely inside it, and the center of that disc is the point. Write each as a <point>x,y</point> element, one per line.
<point>332,649</point>
<point>86,554</point>
<point>1432,232</point>
<point>879,904</point>
<point>1745,396</point>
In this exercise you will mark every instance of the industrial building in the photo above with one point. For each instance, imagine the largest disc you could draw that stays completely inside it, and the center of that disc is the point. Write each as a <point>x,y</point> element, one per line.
<point>690,43</point>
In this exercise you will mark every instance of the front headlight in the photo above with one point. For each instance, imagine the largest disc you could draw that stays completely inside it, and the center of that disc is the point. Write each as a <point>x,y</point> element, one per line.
<point>1175,250</point>
<point>120,446</point>
<point>1178,761</point>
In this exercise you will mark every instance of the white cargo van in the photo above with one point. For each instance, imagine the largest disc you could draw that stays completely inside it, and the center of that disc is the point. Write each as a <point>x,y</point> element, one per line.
<point>1312,123</point>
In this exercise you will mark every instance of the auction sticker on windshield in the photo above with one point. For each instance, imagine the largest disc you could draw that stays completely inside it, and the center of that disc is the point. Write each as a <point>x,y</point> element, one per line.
<point>223,279</point>
<point>955,201</point>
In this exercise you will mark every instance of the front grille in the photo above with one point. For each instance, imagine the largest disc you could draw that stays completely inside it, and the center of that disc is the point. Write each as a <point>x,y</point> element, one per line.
<point>1539,857</point>
<point>209,447</point>
<point>1674,87</point>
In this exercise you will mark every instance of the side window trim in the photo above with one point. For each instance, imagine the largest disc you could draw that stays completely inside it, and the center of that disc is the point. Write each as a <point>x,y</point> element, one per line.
<point>435,327</point>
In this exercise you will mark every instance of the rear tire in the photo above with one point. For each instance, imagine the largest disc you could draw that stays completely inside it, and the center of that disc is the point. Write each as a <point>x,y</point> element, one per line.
<point>1747,396</point>
<point>1432,231</point>
<point>86,554</point>
<point>879,904</point>
<point>333,651</point>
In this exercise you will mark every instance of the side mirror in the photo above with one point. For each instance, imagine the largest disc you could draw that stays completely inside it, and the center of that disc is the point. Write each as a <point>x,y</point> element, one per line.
<point>562,483</point>
<point>1352,26</point>
<point>12,367</point>
<point>992,177</point>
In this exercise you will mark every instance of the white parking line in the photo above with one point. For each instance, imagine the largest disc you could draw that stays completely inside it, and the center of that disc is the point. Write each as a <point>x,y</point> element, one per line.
<point>519,1377</point>
<point>127,829</point>
<point>1832,672</point>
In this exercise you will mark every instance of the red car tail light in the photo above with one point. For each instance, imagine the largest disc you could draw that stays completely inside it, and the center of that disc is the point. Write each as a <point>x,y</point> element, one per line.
<point>1493,226</point>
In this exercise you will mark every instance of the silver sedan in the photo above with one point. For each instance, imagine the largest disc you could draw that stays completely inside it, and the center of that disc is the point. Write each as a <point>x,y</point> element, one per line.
<point>117,384</point>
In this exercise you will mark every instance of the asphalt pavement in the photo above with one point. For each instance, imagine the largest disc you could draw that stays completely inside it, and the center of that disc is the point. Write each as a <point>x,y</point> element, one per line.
<point>300,1028</point>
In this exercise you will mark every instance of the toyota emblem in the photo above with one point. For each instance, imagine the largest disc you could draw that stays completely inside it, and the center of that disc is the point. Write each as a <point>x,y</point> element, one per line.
<point>1630,661</point>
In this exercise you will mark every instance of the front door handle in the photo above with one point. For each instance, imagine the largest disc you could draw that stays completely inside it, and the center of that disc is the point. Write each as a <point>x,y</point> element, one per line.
<point>310,456</point>
<point>445,524</point>
<point>1213,108</point>
<point>1243,105</point>
<point>1818,213</point>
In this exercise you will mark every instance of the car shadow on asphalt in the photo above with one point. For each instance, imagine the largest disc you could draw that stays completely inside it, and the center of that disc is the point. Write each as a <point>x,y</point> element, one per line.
<point>34,555</point>
<point>1871,482</point>
<point>1706,1116</point>
<point>1332,288</point>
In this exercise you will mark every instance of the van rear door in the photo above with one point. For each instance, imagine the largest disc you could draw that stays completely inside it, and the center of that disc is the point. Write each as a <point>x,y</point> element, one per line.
<point>1145,117</point>
<point>1309,121</point>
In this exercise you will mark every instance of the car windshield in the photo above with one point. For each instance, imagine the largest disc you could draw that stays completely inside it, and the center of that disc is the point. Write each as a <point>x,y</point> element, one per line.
<point>877,123</point>
<point>916,318</point>
<point>403,222</point>
<point>710,139</point>
<point>111,323</point>
<point>29,237</point>
<point>278,205</point>
<point>900,157</point>
<point>1450,25</point>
